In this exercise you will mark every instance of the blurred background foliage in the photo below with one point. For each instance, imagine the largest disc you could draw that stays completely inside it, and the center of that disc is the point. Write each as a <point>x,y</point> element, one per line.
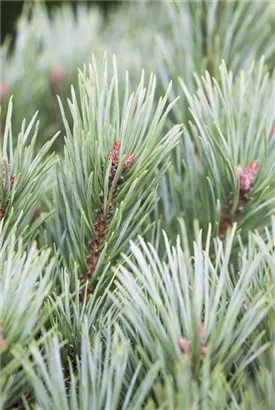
<point>11,10</point>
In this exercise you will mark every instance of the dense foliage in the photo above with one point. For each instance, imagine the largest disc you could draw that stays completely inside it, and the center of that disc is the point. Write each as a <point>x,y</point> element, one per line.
<point>137,217</point>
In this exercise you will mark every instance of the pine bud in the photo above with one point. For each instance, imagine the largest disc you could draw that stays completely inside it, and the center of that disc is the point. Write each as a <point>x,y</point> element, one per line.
<point>201,333</point>
<point>272,132</point>
<point>3,342</point>
<point>185,345</point>
<point>247,179</point>
<point>248,176</point>
<point>114,156</point>
<point>4,90</point>
<point>204,350</point>
<point>129,162</point>
<point>57,75</point>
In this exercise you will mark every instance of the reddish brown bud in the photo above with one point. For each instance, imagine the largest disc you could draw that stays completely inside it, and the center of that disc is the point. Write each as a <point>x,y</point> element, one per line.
<point>57,75</point>
<point>204,350</point>
<point>12,179</point>
<point>3,342</point>
<point>114,157</point>
<point>185,345</point>
<point>201,333</point>
<point>129,162</point>
<point>248,176</point>
<point>272,132</point>
<point>4,90</point>
<point>247,179</point>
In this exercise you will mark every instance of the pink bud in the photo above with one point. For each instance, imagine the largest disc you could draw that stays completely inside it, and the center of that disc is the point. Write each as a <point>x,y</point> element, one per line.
<point>12,180</point>
<point>201,332</point>
<point>185,345</point>
<point>4,90</point>
<point>204,350</point>
<point>129,161</point>
<point>248,176</point>
<point>114,157</point>
<point>272,132</point>
<point>3,342</point>
<point>57,75</point>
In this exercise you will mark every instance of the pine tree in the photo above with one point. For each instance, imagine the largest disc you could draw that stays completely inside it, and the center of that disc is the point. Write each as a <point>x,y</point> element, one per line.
<point>137,225</point>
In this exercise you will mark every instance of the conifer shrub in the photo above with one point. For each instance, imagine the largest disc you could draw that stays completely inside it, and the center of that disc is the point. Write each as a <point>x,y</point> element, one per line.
<point>137,207</point>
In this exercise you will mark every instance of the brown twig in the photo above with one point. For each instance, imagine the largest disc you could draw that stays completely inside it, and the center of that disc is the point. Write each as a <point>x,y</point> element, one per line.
<point>102,223</point>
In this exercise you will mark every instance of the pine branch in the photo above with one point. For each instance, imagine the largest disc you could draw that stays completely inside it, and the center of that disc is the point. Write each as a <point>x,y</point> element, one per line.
<point>61,42</point>
<point>21,178</point>
<point>113,320</point>
<point>25,283</point>
<point>110,147</point>
<point>102,368</point>
<point>192,304</point>
<point>68,306</point>
<point>102,224</point>
<point>229,132</point>
<point>237,32</point>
